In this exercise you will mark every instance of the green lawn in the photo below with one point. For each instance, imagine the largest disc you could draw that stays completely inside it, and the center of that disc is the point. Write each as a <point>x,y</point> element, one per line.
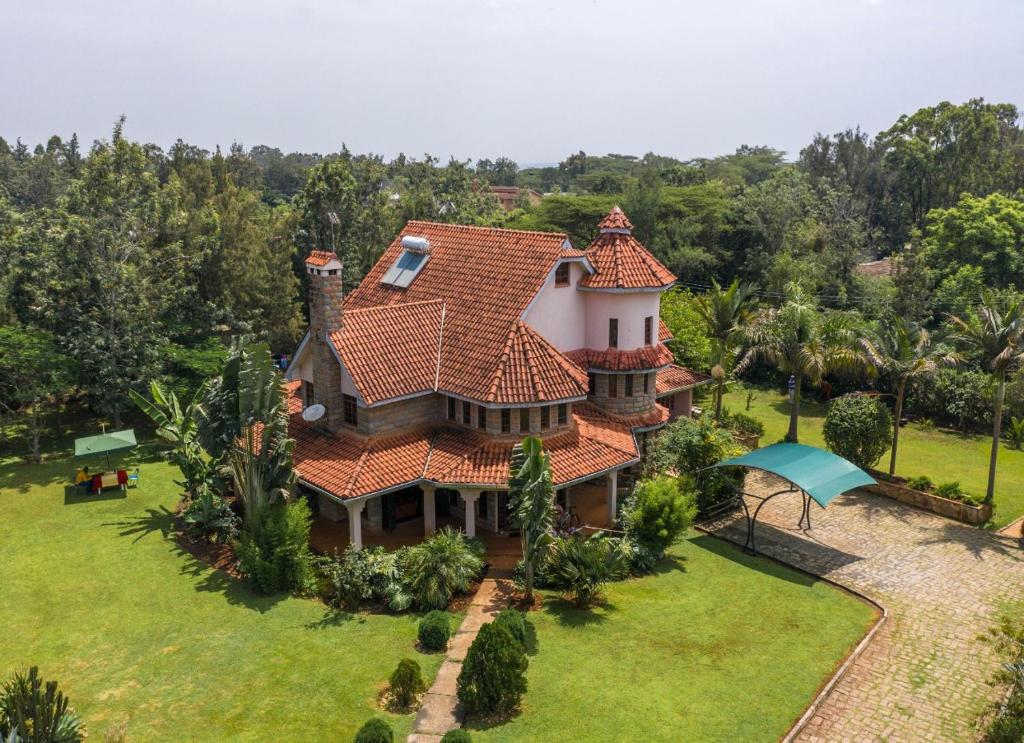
<point>139,633</point>
<point>940,454</point>
<point>717,646</point>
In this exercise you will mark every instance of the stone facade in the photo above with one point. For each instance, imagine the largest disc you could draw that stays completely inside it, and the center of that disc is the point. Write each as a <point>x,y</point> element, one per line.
<point>394,416</point>
<point>325,317</point>
<point>637,402</point>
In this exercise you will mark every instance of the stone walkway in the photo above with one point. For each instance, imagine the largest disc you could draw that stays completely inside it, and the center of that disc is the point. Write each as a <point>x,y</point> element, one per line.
<point>926,674</point>
<point>440,710</point>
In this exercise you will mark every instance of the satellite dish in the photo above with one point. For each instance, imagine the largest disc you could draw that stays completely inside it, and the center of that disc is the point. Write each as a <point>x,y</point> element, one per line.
<point>313,413</point>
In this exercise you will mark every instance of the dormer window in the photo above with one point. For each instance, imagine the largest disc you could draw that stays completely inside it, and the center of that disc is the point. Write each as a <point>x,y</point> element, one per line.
<point>613,332</point>
<point>562,275</point>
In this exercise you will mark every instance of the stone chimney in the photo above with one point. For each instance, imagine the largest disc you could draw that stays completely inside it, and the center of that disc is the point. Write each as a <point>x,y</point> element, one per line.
<point>325,317</point>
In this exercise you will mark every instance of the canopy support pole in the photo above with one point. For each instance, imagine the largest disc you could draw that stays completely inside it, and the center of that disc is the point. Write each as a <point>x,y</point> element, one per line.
<point>748,545</point>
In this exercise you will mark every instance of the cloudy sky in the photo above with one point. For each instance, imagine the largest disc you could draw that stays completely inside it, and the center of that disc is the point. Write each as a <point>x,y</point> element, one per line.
<point>531,79</point>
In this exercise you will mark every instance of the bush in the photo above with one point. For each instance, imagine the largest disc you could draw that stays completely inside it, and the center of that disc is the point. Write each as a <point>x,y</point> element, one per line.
<point>34,710</point>
<point>375,730</point>
<point>1015,432</point>
<point>458,735</point>
<point>690,447</point>
<point>744,424</point>
<point>514,622</point>
<point>493,676</point>
<point>953,491</point>
<point>406,683</point>
<point>659,512</point>
<point>434,631</point>
<point>273,551</point>
<point>209,518</point>
<point>923,483</point>
<point>369,575</point>
<point>953,396</point>
<point>858,428</point>
<point>440,567</point>
<point>578,567</point>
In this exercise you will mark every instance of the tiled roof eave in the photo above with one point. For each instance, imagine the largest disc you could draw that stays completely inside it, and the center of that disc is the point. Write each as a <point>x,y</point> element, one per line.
<point>684,387</point>
<point>625,289</point>
<point>500,404</point>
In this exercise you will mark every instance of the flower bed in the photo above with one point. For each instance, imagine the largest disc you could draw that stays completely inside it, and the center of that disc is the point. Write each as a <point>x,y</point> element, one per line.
<point>897,489</point>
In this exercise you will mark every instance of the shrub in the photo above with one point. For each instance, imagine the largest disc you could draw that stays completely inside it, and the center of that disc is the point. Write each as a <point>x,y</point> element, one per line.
<point>858,428</point>
<point>514,622</point>
<point>34,710</point>
<point>209,518</point>
<point>493,676</point>
<point>659,512</point>
<point>440,567</point>
<point>953,396</point>
<point>406,683</point>
<point>690,447</point>
<point>923,483</point>
<point>953,491</point>
<point>744,424</point>
<point>273,551</point>
<point>371,574</point>
<point>1015,432</point>
<point>375,730</point>
<point>434,631</point>
<point>578,567</point>
<point>458,735</point>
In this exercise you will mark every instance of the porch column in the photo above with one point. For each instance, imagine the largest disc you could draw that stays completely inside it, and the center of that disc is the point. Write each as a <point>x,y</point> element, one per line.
<point>429,516</point>
<point>470,498</point>
<point>355,523</point>
<point>613,495</point>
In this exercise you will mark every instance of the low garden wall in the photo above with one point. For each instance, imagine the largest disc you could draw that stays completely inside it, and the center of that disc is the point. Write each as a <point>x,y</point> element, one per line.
<point>967,512</point>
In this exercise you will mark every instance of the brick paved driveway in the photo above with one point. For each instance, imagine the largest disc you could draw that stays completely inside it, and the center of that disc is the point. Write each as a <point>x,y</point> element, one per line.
<point>926,674</point>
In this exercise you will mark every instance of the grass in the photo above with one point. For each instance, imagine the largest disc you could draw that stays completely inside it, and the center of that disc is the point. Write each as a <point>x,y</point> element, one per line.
<point>717,645</point>
<point>140,634</point>
<point>941,454</point>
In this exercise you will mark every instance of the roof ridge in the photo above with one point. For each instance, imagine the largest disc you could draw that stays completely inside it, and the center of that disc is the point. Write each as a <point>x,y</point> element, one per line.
<point>440,342</point>
<point>545,233</point>
<point>531,361</point>
<point>393,305</point>
<point>499,371</point>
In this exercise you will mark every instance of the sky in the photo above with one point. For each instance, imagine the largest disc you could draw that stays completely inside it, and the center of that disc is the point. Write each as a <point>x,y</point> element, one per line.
<point>534,80</point>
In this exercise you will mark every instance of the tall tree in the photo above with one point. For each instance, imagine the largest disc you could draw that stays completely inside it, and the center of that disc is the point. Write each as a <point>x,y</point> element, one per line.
<point>905,351</point>
<point>996,333</point>
<point>531,503</point>
<point>800,340</point>
<point>725,312</point>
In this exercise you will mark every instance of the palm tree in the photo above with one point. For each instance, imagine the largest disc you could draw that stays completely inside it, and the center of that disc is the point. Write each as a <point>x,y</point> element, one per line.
<point>800,340</point>
<point>531,503</point>
<point>905,350</point>
<point>997,336</point>
<point>725,312</point>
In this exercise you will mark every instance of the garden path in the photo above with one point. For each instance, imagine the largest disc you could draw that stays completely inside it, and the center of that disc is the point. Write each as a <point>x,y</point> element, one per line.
<point>440,710</point>
<point>926,675</point>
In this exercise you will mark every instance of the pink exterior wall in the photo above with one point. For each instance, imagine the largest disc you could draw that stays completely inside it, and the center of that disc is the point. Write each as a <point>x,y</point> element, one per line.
<point>559,312</point>
<point>680,404</point>
<point>630,309</point>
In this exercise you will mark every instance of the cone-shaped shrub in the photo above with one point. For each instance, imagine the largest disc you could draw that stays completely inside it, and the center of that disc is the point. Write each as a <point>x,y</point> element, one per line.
<point>375,730</point>
<point>493,677</point>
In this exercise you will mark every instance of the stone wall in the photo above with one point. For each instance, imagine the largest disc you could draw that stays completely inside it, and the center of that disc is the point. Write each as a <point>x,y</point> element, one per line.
<point>383,419</point>
<point>951,509</point>
<point>325,317</point>
<point>638,402</point>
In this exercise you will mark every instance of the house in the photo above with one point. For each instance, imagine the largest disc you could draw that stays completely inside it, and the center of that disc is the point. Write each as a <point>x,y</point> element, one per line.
<point>459,342</point>
<point>510,197</point>
<point>883,267</point>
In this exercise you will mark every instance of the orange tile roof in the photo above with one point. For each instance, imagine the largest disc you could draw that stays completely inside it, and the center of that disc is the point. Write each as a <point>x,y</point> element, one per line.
<point>623,263</point>
<point>486,278</point>
<point>616,219</point>
<point>321,257</point>
<point>612,359</point>
<point>531,369</point>
<point>678,378</point>
<point>664,334</point>
<point>393,350</point>
<point>349,466</point>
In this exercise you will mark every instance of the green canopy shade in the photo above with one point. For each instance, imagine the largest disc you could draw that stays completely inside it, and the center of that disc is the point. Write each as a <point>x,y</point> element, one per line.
<point>105,443</point>
<point>819,473</point>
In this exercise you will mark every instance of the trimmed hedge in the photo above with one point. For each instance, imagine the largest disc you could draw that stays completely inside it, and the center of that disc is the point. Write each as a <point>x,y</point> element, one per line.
<point>514,622</point>
<point>375,730</point>
<point>434,631</point>
<point>493,677</point>
<point>457,736</point>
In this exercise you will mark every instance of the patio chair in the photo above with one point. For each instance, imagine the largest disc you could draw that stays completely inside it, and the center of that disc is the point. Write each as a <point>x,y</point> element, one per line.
<point>133,478</point>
